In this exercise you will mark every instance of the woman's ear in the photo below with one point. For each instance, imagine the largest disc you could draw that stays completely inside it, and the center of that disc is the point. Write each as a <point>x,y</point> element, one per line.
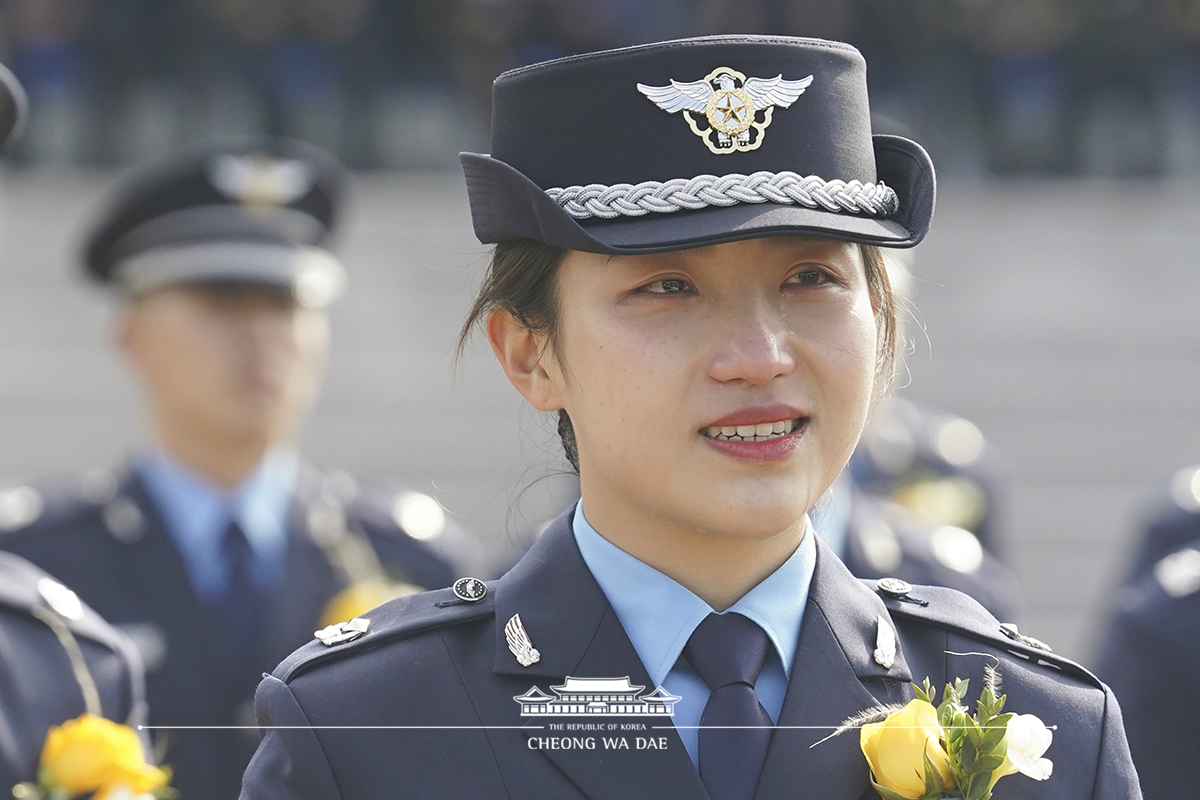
<point>520,352</point>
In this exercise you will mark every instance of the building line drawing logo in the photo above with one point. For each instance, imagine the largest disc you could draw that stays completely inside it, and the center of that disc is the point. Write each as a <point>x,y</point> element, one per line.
<point>602,697</point>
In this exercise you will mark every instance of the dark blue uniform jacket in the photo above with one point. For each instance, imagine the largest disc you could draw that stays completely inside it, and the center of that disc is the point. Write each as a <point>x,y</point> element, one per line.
<point>1150,654</point>
<point>429,660</point>
<point>37,687</point>
<point>118,556</point>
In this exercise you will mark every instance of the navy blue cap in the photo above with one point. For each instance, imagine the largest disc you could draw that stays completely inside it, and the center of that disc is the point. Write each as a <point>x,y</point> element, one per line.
<point>13,108</point>
<point>260,212</point>
<point>692,142</point>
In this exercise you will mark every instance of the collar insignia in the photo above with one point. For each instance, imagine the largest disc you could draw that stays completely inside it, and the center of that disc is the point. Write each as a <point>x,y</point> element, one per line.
<point>519,642</point>
<point>737,109</point>
<point>885,644</point>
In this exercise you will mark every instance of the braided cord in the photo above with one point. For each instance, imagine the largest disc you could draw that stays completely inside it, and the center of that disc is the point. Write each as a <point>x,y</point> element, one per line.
<point>787,188</point>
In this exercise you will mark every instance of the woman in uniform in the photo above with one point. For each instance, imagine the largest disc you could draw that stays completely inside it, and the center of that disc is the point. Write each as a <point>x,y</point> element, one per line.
<point>687,272</point>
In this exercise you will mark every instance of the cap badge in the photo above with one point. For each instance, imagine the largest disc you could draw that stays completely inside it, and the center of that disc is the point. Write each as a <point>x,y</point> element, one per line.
<point>519,642</point>
<point>259,180</point>
<point>738,109</point>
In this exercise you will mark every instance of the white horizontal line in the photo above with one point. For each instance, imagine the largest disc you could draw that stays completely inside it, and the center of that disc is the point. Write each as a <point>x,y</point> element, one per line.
<point>333,727</point>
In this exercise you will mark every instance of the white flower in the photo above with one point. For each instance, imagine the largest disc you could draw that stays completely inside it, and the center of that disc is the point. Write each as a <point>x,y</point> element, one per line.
<point>1028,738</point>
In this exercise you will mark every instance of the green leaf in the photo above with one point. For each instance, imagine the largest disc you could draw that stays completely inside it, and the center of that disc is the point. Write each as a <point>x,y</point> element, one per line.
<point>994,736</point>
<point>987,765</point>
<point>967,754</point>
<point>934,785</point>
<point>887,794</point>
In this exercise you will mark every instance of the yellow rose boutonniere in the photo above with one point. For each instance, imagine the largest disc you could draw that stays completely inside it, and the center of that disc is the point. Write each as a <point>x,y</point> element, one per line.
<point>905,752</point>
<point>91,754</point>
<point>919,752</point>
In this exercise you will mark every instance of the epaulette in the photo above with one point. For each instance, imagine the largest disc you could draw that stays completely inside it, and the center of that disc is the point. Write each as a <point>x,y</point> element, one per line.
<point>52,504</point>
<point>955,611</point>
<point>397,619</point>
<point>24,587</point>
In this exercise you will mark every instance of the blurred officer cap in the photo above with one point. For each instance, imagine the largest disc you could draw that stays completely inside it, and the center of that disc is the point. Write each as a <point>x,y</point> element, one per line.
<point>13,105</point>
<point>694,142</point>
<point>256,214</point>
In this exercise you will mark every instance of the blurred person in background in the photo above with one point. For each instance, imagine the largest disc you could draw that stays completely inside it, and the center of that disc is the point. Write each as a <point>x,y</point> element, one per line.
<point>61,666</point>
<point>918,501</point>
<point>219,550</point>
<point>1150,652</point>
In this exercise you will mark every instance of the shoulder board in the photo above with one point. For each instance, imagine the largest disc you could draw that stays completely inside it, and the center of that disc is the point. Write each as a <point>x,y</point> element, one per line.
<point>53,505</point>
<point>955,611</point>
<point>24,587</point>
<point>397,619</point>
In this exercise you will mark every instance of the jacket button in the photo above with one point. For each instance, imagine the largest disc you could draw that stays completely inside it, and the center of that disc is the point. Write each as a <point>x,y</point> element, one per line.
<point>895,587</point>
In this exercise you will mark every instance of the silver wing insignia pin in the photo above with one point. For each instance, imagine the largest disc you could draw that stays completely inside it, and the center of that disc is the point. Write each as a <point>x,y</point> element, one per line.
<point>738,109</point>
<point>519,643</point>
<point>885,643</point>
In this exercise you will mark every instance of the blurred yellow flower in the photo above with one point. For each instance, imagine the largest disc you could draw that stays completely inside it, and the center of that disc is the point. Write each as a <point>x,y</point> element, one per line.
<point>896,749</point>
<point>93,754</point>
<point>359,598</point>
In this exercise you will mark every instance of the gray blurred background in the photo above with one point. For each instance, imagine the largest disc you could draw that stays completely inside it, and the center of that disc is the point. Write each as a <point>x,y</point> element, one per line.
<point>1056,293</point>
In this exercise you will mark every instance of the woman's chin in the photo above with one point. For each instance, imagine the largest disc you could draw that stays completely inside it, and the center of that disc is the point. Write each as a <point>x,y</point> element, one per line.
<point>761,526</point>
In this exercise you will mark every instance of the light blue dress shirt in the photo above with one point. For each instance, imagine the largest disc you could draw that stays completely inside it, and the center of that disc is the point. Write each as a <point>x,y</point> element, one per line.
<point>197,512</point>
<point>659,615</point>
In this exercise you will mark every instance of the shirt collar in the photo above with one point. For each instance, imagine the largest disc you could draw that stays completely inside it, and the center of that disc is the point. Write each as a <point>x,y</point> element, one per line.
<point>659,614</point>
<point>197,511</point>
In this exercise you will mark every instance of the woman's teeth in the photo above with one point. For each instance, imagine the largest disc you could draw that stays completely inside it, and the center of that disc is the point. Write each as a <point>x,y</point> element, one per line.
<point>752,433</point>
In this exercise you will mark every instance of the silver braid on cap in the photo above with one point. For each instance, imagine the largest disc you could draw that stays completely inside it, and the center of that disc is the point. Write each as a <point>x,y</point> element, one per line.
<point>702,191</point>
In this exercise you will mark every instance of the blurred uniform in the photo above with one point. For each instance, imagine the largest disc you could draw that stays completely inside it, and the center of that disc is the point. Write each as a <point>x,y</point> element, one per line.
<point>1150,654</point>
<point>217,571</point>
<point>40,618</point>
<point>917,502</point>
<point>936,465</point>
<point>38,687</point>
<point>876,537</point>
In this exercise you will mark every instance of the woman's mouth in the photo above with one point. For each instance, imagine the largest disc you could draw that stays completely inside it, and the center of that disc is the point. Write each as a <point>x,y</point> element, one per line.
<point>761,432</point>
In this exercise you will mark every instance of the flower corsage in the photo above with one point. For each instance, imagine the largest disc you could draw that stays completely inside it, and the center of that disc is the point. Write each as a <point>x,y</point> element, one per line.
<point>91,755</point>
<point>919,752</point>
<point>96,756</point>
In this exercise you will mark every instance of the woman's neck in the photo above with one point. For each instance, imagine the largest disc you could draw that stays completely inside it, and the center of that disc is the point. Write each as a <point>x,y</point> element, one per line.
<point>719,568</point>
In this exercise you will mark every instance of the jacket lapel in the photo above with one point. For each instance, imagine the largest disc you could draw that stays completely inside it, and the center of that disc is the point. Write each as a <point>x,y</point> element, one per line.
<point>306,587</point>
<point>577,634</point>
<point>834,676</point>
<point>158,569</point>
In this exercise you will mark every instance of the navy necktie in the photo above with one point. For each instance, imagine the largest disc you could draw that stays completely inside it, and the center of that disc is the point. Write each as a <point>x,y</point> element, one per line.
<point>242,605</point>
<point>727,651</point>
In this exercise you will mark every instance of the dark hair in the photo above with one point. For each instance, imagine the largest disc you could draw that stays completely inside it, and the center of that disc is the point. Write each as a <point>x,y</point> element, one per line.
<point>521,281</point>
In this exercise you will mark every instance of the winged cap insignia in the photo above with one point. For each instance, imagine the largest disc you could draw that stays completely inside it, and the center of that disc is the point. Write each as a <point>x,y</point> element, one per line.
<point>738,109</point>
<point>519,643</point>
<point>260,180</point>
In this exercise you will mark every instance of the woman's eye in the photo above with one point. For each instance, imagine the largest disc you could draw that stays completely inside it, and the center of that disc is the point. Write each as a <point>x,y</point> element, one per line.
<point>667,286</point>
<point>809,277</point>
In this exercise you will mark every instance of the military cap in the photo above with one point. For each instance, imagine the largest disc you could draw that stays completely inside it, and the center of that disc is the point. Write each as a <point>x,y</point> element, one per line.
<point>258,213</point>
<point>13,107</point>
<point>693,142</point>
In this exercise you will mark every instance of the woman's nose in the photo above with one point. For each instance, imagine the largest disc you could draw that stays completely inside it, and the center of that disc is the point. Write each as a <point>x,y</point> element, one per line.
<point>753,347</point>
